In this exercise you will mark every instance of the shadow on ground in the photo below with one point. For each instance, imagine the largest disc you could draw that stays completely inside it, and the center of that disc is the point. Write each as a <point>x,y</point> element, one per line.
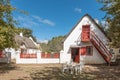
<point>6,67</point>
<point>55,73</point>
<point>96,72</point>
<point>103,72</point>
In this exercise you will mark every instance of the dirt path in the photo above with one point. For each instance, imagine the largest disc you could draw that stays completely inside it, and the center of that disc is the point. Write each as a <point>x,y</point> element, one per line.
<point>53,72</point>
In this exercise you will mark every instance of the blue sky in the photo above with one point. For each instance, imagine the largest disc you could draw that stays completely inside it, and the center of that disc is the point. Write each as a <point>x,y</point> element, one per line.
<point>51,18</point>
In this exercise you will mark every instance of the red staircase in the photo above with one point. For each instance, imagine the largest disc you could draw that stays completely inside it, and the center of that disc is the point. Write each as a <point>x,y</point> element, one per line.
<point>99,45</point>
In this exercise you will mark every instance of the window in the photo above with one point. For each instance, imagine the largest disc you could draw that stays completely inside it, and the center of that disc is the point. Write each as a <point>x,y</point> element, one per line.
<point>89,50</point>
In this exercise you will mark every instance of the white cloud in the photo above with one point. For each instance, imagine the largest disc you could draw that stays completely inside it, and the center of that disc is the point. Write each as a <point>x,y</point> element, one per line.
<point>42,41</point>
<point>78,10</point>
<point>31,21</point>
<point>45,21</point>
<point>26,21</point>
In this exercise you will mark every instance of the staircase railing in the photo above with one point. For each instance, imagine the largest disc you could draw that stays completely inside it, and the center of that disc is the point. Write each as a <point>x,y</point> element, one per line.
<point>100,46</point>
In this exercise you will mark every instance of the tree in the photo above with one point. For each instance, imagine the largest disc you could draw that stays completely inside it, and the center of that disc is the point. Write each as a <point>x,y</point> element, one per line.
<point>44,47</point>
<point>53,45</point>
<point>6,18</point>
<point>6,37</point>
<point>112,9</point>
<point>6,25</point>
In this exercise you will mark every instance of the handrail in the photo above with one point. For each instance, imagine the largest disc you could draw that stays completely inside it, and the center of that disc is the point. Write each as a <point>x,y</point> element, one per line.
<point>101,43</point>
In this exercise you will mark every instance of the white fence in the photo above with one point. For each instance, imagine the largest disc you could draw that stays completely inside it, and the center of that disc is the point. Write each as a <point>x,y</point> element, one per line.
<point>36,58</point>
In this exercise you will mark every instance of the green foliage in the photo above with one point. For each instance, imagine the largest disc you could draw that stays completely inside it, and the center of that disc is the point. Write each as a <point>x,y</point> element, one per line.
<point>6,37</point>
<point>44,47</point>
<point>112,9</point>
<point>6,18</point>
<point>6,25</point>
<point>54,45</point>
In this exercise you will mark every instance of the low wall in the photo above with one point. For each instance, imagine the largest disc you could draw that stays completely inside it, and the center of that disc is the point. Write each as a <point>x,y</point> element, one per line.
<point>37,58</point>
<point>5,57</point>
<point>49,60</point>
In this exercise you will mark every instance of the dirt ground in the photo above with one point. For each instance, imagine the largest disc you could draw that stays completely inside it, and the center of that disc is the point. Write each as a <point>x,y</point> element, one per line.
<point>54,72</point>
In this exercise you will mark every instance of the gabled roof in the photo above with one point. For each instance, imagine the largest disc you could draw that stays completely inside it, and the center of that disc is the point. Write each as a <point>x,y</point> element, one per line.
<point>26,41</point>
<point>92,21</point>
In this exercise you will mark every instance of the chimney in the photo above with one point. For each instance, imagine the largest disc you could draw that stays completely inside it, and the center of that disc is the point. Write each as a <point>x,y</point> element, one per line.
<point>21,34</point>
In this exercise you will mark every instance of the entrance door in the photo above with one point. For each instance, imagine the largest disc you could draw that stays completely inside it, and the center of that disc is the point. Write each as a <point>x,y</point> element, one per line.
<point>85,36</point>
<point>75,55</point>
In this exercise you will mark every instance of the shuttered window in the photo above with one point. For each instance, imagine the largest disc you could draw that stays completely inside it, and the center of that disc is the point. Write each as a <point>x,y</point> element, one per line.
<point>88,50</point>
<point>85,36</point>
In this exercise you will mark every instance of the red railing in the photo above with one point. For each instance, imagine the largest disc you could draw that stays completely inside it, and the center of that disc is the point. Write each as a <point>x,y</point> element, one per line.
<point>101,47</point>
<point>49,55</point>
<point>2,55</point>
<point>43,55</point>
<point>28,55</point>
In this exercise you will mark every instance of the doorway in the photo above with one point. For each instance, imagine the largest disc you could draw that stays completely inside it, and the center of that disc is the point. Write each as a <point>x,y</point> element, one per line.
<point>75,55</point>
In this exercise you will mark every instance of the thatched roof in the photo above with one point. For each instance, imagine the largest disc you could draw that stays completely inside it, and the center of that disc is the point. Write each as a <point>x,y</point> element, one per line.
<point>20,40</point>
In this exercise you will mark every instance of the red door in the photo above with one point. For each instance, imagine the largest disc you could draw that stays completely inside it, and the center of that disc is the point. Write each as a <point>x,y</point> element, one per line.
<point>85,36</point>
<point>75,55</point>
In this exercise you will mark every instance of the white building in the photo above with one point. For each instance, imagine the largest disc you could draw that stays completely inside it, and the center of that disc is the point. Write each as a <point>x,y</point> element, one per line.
<point>86,41</point>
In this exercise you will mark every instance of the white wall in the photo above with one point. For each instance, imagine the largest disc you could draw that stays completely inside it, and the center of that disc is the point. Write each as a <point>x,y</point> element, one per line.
<point>37,60</point>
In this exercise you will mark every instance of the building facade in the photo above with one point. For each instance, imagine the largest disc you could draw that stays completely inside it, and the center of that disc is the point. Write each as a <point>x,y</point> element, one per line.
<point>86,41</point>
